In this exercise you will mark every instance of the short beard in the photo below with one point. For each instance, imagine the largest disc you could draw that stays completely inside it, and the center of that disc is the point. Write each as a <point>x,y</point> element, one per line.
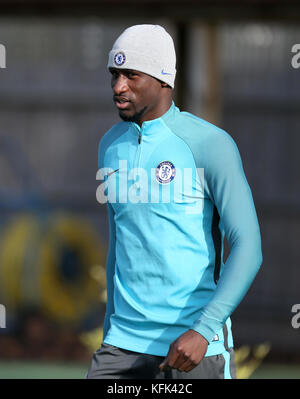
<point>135,118</point>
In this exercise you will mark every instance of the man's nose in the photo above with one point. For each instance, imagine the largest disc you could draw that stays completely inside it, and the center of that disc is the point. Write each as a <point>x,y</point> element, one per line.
<point>120,84</point>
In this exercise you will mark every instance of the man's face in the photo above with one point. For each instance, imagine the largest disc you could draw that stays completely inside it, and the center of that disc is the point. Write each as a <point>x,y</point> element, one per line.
<point>135,94</point>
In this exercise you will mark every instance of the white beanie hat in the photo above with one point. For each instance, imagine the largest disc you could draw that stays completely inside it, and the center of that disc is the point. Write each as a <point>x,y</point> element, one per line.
<point>145,48</point>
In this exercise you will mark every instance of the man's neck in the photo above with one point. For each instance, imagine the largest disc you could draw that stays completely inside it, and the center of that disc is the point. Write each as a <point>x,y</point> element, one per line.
<point>159,110</point>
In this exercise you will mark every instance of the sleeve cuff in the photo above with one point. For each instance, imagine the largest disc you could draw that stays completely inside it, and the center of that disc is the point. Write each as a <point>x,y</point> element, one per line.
<point>206,327</point>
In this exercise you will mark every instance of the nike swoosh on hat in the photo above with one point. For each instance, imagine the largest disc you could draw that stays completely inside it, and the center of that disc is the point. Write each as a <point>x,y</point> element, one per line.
<point>165,73</point>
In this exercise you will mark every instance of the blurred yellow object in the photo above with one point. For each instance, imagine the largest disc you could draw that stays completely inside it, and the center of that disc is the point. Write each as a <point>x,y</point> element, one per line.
<point>248,360</point>
<point>55,263</point>
<point>18,251</point>
<point>69,296</point>
<point>92,339</point>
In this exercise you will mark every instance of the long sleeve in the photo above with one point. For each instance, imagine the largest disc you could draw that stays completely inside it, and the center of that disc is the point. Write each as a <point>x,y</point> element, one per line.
<point>111,258</point>
<point>231,194</point>
<point>110,269</point>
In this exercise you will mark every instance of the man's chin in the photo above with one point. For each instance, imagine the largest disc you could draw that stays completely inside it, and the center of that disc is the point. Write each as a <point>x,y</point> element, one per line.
<point>126,117</point>
<point>129,117</point>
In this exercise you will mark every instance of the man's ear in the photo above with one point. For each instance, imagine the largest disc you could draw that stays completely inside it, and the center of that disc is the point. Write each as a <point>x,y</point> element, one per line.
<point>163,84</point>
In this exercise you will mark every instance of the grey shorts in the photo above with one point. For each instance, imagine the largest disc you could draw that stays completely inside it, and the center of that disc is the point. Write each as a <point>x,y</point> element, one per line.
<point>111,362</point>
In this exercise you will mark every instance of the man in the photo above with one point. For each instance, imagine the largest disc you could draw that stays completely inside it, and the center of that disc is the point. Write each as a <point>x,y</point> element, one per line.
<point>170,296</point>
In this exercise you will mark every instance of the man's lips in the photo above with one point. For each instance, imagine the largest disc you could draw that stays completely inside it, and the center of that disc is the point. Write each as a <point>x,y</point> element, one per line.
<point>121,102</point>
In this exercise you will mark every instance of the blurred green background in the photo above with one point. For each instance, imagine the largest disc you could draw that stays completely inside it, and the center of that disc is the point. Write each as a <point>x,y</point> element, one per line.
<point>234,70</point>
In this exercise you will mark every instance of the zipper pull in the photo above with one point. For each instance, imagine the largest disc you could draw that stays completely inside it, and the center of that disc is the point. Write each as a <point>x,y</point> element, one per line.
<point>140,136</point>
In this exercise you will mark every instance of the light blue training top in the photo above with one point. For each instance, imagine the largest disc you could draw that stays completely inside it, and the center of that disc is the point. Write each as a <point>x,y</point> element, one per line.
<point>167,221</point>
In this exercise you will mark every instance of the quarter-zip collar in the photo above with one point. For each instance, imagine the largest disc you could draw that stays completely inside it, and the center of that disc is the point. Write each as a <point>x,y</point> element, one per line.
<point>146,128</point>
